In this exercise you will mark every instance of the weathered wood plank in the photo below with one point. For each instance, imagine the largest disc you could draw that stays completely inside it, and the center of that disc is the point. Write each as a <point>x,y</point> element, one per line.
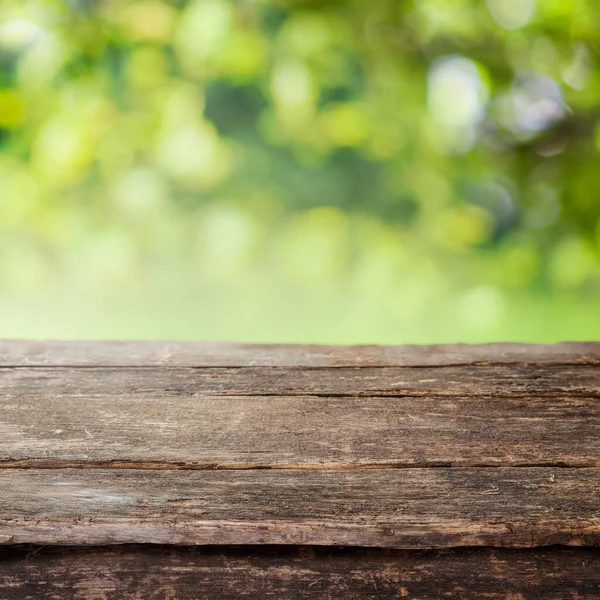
<point>497,380</point>
<point>164,418</point>
<point>402,508</point>
<point>307,573</point>
<point>127,353</point>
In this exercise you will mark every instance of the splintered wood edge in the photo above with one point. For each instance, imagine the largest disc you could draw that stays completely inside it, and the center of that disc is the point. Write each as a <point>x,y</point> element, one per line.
<point>21,353</point>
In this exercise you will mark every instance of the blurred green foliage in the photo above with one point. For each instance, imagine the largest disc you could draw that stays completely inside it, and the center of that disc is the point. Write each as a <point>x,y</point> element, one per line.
<point>327,171</point>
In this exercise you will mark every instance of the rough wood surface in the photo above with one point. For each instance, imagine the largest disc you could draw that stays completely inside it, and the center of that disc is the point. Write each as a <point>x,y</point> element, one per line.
<point>164,573</point>
<point>183,443</point>
<point>402,508</point>
<point>147,354</point>
<point>167,418</point>
<point>467,380</point>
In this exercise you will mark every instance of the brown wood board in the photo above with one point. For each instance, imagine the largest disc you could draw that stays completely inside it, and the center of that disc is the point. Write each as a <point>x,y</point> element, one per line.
<point>304,573</point>
<point>401,508</point>
<point>166,420</point>
<point>159,353</point>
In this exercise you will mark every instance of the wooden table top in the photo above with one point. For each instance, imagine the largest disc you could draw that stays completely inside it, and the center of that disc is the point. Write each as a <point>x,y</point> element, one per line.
<point>422,447</point>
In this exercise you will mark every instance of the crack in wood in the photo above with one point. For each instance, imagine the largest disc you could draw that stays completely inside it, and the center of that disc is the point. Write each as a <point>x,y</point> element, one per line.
<point>174,466</point>
<point>591,362</point>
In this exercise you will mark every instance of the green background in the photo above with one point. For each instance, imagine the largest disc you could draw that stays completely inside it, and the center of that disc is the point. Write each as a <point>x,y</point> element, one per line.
<point>337,171</point>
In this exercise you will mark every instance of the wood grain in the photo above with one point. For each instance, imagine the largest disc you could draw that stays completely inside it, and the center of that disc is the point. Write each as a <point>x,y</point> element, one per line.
<point>497,380</point>
<point>149,354</point>
<point>171,418</point>
<point>401,508</point>
<point>306,573</point>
